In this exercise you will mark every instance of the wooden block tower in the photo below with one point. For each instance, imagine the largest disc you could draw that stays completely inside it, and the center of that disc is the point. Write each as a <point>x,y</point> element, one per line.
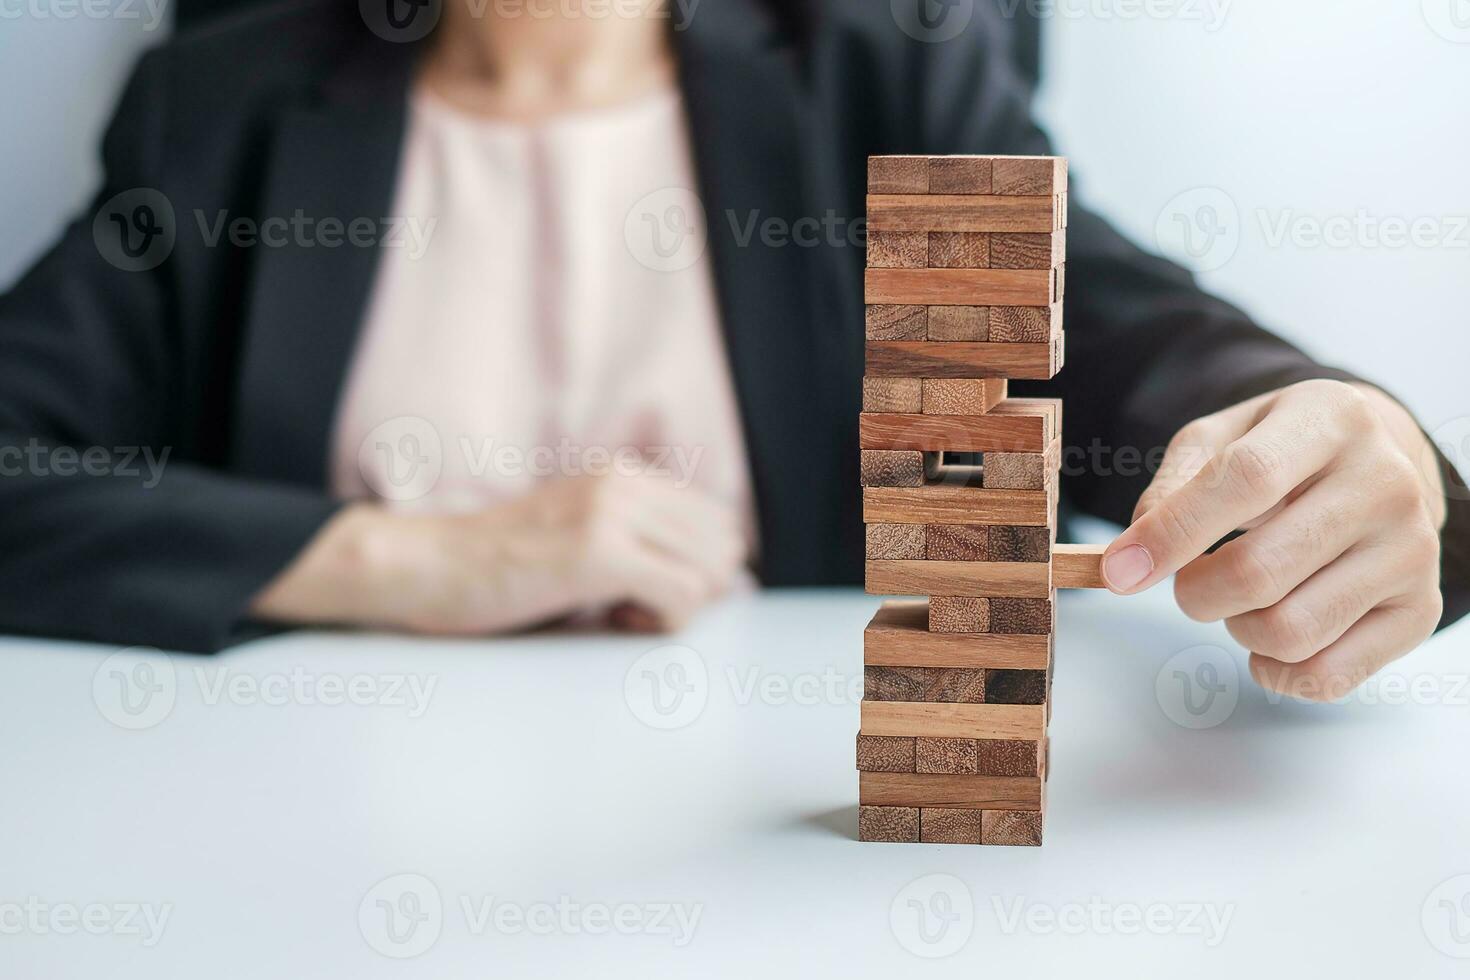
<point>966,270</point>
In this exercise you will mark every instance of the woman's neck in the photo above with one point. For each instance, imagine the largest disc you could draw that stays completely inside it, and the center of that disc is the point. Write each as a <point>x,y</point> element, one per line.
<point>528,59</point>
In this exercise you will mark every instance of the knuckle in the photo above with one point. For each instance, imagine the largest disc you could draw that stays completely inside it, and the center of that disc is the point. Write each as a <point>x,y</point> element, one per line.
<point>1256,572</point>
<point>1291,631</point>
<point>1193,597</point>
<point>1253,470</point>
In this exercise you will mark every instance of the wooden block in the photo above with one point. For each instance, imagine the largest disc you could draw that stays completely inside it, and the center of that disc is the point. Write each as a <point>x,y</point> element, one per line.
<point>1003,757</point>
<point>1015,471</point>
<point>882,753</point>
<point>890,824</point>
<point>969,323</point>
<point>963,212</point>
<point>956,756</point>
<point>1049,409</point>
<point>1019,544</point>
<point>958,175</point>
<point>896,542</point>
<point>958,542</point>
<point>987,433</point>
<point>956,505</point>
<point>1013,615</point>
<point>952,685</point>
<point>1046,250</point>
<point>898,249</point>
<point>898,175</point>
<point>890,322</point>
<point>1011,686</point>
<point>933,720</point>
<point>976,579</point>
<point>900,635</point>
<point>956,359</point>
<point>903,395</point>
<point>942,825</point>
<point>961,396</point>
<point>1028,175</point>
<point>1078,566</point>
<point>884,468</point>
<point>959,287</point>
<point>1022,324</point>
<point>1011,827</point>
<point>924,789</point>
<point>955,249</point>
<point>958,614</point>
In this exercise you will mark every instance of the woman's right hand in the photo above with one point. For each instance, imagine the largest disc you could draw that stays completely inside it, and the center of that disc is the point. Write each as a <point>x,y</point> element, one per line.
<point>639,547</point>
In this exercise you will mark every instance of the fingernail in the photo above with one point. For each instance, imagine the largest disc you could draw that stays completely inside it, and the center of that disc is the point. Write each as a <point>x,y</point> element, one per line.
<point>1128,568</point>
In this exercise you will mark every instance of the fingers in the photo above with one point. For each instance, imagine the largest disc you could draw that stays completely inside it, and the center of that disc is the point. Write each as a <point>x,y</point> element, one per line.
<point>1251,475</point>
<point>666,589</point>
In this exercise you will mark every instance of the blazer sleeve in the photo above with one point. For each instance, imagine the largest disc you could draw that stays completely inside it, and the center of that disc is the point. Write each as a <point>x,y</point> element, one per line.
<point>109,530</point>
<point>1147,349</point>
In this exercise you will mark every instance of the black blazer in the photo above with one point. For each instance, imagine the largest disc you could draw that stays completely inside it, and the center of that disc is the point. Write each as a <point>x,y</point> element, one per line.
<point>231,359</point>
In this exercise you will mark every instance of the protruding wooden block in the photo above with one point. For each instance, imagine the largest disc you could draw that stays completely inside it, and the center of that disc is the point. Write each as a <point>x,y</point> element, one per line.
<point>1004,757</point>
<point>960,287</point>
<point>991,432</point>
<point>958,542</point>
<point>941,684</point>
<point>1029,175</point>
<point>1024,324</point>
<point>886,321</point>
<point>956,249</point>
<point>962,396</point>
<point>898,249</point>
<point>961,359</point>
<point>1013,615</point>
<point>941,825</point>
<point>956,505</point>
<point>900,635</point>
<point>898,175</point>
<point>896,542</point>
<point>964,212</point>
<point>884,753</point>
<point>980,579</point>
<point>1015,686</point>
<point>944,790</point>
<point>1019,544</point>
<point>902,395</point>
<point>890,824</point>
<point>956,756</point>
<point>1078,566</point>
<point>1011,827</point>
<point>959,175</point>
<point>1045,250</point>
<point>963,323</point>
<point>885,468</point>
<point>935,720</point>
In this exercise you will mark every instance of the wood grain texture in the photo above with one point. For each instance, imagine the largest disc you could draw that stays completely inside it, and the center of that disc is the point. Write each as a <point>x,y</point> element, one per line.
<point>1004,757</point>
<point>890,824</point>
<point>922,789</point>
<point>958,542</point>
<point>918,359</point>
<point>933,720</point>
<point>959,614</point>
<point>955,249</point>
<point>987,433</point>
<point>959,175</point>
<point>882,753</point>
<point>961,396</point>
<point>1049,409</point>
<point>950,685</point>
<point>1078,566</point>
<point>956,505</point>
<point>964,323</point>
<point>899,635</point>
<point>1023,324</point>
<point>943,825</point>
<point>896,542</point>
<point>903,395</point>
<point>1019,544</point>
<point>977,579</point>
<point>1015,471</point>
<point>964,212</point>
<point>885,321</point>
<point>885,468</point>
<point>1018,828</point>
<point>1045,250</point>
<point>1014,686</point>
<point>955,756</point>
<point>898,175</point>
<point>1028,175</point>
<point>959,287</point>
<point>1012,615</point>
<point>898,250</point>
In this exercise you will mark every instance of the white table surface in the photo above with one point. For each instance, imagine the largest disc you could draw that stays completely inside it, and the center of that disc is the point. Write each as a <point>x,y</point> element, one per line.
<point>1282,837</point>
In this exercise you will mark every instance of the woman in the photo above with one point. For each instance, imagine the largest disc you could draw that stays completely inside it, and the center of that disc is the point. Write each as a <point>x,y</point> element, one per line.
<point>337,391</point>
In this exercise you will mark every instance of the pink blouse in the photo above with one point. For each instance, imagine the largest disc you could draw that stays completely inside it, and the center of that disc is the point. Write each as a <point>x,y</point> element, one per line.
<point>547,309</point>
